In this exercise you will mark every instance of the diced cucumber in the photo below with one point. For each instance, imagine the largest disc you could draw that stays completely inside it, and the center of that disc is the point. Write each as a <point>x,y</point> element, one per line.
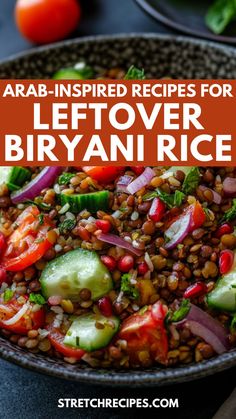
<point>91,331</point>
<point>223,296</point>
<point>14,176</point>
<point>68,274</point>
<point>93,201</point>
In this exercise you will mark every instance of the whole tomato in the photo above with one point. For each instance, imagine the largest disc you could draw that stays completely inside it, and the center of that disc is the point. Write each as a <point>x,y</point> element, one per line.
<point>44,21</point>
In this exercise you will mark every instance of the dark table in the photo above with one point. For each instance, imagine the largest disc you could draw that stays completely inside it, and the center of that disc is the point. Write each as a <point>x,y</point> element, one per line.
<point>30,395</point>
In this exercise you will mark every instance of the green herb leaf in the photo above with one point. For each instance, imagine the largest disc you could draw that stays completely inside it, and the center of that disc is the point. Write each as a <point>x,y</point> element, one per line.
<point>220,14</point>
<point>182,311</point>
<point>66,225</point>
<point>37,299</point>
<point>41,219</point>
<point>40,204</point>
<point>8,294</point>
<point>191,181</point>
<point>171,200</point>
<point>135,73</point>
<point>233,324</point>
<point>65,178</point>
<point>231,213</point>
<point>128,288</point>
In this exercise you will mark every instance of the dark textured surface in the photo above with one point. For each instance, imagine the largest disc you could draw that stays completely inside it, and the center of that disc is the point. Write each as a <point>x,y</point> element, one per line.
<point>187,16</point>
<point>30,395</point>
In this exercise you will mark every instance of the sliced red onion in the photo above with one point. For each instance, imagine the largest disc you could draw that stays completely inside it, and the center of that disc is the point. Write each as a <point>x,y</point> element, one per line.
<point>229,186</point>
<point>216,196</point>
<point>118,241</point>
<point>43,180</point>
<point>178,230</point>
<point>123,182</point>
<point>207,335</point>
<point>141,181</point>
<point>209,329</point>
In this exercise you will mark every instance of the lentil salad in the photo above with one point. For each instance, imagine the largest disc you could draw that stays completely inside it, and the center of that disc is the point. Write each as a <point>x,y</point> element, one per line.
<point>118,266</point>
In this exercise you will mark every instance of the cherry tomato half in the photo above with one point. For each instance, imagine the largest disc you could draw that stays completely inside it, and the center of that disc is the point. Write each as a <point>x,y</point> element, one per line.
<point>44,21</point>
<point>29,242</point>
<point>31,320</point>
<point>56,338</point>
<point>103,174</point>
<point>146,332</point>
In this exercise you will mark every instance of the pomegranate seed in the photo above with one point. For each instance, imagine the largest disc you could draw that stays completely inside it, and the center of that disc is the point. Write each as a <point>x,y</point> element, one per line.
<point>109,262</point>
<point>224,229</point>
<point>105,306</point>
<point>2,242</point>
<point>142,268</point>
<point>157,210</point>
<point>125,263</point>
<point>226,261</point>
<point>138,170</point>
<point>195,290</point>
<point>103,225</point>
<point>3,275</point>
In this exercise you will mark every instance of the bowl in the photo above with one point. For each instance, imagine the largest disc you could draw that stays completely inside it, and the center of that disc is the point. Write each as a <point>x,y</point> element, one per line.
<point>161,56</point>
<point>187,17</point>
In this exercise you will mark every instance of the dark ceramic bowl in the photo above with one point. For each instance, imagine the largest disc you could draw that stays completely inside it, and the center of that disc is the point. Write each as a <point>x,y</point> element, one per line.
<point>161,56</point>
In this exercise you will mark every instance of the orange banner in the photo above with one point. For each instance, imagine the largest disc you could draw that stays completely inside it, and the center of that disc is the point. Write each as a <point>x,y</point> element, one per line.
<point>157,122</point>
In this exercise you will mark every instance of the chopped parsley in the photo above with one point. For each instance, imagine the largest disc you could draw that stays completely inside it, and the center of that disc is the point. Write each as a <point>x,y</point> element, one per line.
<point>135,73</point>
<point>65,178</point>
<point>41,219</point>
<point>191,181</point>
<point>37,299</point>
<point>231,213</point>
<point>8,294</point>
<point>66,225</point>
<point>40,204</point>
<point>233,324</point>
<point>171,200</point>
<point>128,288</point>
<point>182,311</point>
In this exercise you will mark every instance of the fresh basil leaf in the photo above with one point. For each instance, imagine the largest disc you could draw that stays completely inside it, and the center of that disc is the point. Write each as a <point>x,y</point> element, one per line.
<point>182,311</point>
<point>191,181</point>
<point>220,14</point>
<point>128,288</point>
<point>134,73</point>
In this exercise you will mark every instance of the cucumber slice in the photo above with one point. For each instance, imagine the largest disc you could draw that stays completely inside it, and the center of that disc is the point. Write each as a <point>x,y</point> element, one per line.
<point>223,297</point>
<point>92,202</point>
<point>68,274</point>
<point>81,72</point>
<point>84,334</point>
<point>14,177</point>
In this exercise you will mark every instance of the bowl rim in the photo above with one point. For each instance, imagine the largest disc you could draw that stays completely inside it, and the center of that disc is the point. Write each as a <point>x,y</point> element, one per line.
<point>118,36</point>
<point>156,15</point>
<point>136,378</point>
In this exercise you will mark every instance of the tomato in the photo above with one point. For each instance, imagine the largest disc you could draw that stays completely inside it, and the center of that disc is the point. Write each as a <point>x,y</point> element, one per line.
<point>56,338</point>
<point>44,21</point>
<point>103,174</point>
<point>138,170</point>
<point>31,320</point>
<point>198,216</point>
<point>146,332</point>
<point>29,242</point>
